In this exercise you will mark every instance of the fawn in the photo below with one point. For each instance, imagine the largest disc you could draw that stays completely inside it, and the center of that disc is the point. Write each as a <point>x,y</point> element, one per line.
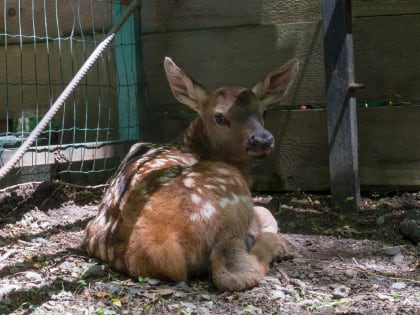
<point>184,209</point>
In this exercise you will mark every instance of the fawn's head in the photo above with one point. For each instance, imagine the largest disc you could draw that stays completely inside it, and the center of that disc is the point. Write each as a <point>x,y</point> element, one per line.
<point>232,118</point>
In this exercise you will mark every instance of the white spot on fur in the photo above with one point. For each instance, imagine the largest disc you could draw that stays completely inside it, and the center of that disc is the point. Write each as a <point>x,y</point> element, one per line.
<point>205,213</point>
<point>157,163</point>
<point>92,243</point>
<point>108,226</point>
<point>114,226</point>
<point>195,199</point>
<point>102,251</point>
<point>101,220</point>
<point>211,187</point>
<point>224,202</point>
<point>111,253</point>
<point>224,171</point>
<point>189,160</point>
<point>188,182</point>
<point>236,199</point>
<point>148,206</point>
<point>208,210</point>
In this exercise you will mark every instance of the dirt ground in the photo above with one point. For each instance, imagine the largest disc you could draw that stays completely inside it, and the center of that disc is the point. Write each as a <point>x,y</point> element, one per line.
<point>347,263</point>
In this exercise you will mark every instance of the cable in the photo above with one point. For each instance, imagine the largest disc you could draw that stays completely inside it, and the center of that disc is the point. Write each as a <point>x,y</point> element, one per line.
<point>6,168</point>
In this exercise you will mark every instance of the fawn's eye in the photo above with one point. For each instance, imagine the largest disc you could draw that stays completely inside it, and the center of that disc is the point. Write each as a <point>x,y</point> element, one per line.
<point>264,113</point>
<point>221,120</point>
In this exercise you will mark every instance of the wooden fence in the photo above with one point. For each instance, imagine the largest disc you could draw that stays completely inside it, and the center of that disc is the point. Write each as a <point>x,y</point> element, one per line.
<point>238,42</point>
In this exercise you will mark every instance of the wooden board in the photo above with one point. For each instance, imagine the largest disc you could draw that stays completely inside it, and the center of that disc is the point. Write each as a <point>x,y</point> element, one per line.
<point>389,157</point>
<point>365,8</point>
<point>31,81</point>
<point>236,56</point>
<point>21,65</point>
<point>165,16</point>
<point>389,148</point>
<point>78,152</point>
<point>51,18</point>
<point>386,58</point>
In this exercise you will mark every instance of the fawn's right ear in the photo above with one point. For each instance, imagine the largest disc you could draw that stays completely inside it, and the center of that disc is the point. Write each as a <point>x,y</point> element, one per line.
<point>183,87</point>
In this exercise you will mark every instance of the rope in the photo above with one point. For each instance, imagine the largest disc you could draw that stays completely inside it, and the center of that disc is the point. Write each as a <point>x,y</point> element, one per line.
<point>6,168</point>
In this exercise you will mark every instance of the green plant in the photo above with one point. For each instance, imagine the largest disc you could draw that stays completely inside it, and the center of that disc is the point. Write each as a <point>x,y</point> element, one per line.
<point>100,311</point>
<point>147,308</point>
<point>349,198</point>
<point>394,295</point>
<point>143,280</point>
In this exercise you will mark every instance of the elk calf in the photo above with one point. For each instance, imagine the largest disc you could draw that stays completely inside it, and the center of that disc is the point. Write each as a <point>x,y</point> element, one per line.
<point>184,209</point>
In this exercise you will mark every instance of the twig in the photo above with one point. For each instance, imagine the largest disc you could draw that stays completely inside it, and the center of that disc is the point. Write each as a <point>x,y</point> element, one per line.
<point>358,265</point>
<point>7,254</point>
<point>300,284</point>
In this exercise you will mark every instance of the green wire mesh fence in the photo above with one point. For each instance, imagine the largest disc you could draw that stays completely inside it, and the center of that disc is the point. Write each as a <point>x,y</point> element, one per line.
<point>43,43</point>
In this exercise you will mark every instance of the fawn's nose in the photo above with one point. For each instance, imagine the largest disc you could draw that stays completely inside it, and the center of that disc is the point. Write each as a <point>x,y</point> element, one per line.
<point>260,140</point>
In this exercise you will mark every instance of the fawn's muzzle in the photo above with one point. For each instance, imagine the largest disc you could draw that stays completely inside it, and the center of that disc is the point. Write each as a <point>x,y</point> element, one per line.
<point>259,143</point>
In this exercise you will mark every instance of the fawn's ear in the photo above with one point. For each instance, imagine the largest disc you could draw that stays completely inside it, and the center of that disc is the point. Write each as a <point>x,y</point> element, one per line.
<point>276,84</point>
<point>183,87</point>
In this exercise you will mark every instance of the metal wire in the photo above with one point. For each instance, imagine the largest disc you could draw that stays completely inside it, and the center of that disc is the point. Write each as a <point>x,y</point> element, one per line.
<point>7,167</point>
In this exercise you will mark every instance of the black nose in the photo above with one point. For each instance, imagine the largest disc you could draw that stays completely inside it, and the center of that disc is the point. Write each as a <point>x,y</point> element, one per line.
<point>261,140</point>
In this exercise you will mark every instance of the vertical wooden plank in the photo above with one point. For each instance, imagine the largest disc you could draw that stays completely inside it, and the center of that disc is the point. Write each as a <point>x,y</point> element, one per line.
<point>127,75</point>
<point>341,104</point>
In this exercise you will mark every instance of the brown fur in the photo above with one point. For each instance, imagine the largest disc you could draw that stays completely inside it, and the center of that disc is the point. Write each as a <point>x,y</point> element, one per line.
<point>180,210</point>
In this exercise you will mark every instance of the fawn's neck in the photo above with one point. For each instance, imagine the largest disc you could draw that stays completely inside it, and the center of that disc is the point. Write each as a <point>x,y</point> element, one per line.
<point>195,140</point>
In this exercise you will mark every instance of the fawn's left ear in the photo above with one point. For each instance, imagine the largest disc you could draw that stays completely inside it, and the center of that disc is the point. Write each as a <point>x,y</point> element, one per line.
<point>183,87</point>
<point>276,84</point>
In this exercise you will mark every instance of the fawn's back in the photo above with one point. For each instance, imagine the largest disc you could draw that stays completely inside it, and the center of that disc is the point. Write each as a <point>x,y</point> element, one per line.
<point>184,209</point>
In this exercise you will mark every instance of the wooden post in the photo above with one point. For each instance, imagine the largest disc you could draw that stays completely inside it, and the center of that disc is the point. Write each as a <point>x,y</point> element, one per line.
<point>341,104</point>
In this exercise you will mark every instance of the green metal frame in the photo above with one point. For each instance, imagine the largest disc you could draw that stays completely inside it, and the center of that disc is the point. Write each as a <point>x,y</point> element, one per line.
<point>131,90</point>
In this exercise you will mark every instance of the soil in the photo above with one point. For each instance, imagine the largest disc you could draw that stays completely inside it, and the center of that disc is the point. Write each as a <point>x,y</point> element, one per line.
<point>346,263</point>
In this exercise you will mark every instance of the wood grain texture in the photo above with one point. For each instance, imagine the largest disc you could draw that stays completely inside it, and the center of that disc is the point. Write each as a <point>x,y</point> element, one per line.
<point>24,20</point>
<point>165,16</point>
<point>363,8</point>
<point>388,157</point>
<point>32,80</point>
<point>162,16</point>
<point>24,79</point>
<point>78,152</point>
<point>387,57</point>
<point>236,56</point>
<point>389,148</point>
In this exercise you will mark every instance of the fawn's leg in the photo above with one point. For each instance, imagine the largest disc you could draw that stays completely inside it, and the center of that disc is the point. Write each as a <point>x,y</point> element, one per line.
<point>271,246</point>
<point>262,221</point>
<point>233,268</point>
